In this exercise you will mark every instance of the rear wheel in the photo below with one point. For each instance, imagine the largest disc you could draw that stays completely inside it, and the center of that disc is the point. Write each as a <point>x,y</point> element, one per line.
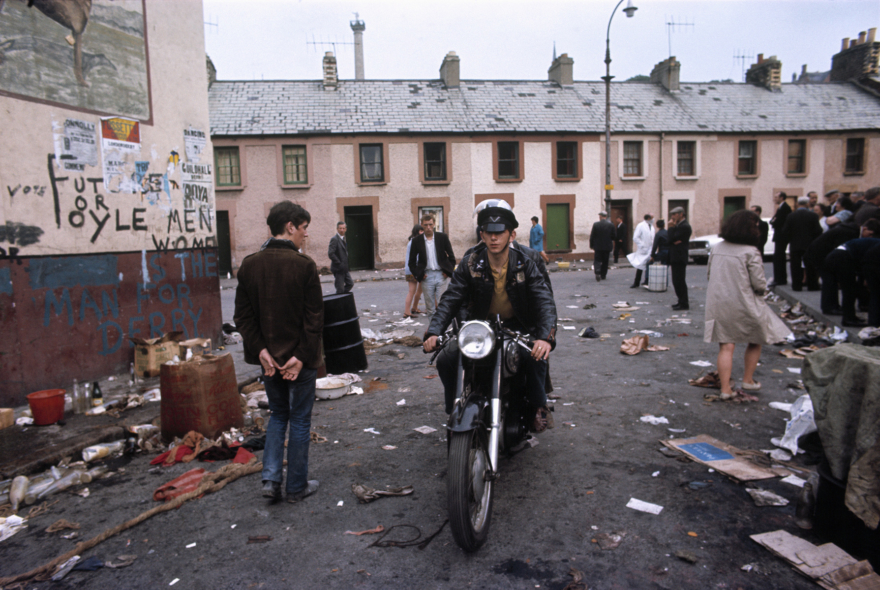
<point>469,494</point>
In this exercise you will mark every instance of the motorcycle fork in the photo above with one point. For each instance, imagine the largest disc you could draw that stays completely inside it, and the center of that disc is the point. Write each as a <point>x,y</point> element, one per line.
<point>495,427</point>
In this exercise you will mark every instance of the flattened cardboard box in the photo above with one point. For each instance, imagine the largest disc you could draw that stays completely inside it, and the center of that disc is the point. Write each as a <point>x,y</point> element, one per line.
<point>723,457</point>
<point>150,353</point>
<point>198,346</point>
<point>7,417</point>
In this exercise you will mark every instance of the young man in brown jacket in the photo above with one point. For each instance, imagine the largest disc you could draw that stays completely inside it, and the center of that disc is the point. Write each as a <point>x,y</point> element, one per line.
<point>279,311</point>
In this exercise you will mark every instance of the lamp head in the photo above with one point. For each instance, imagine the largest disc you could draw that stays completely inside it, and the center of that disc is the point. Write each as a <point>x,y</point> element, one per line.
<point>630,10</point>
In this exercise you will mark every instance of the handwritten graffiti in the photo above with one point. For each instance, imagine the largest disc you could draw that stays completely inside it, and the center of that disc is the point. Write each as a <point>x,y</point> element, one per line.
<point>19,233</point>
<point>163,304</point>
<point>38,190</point>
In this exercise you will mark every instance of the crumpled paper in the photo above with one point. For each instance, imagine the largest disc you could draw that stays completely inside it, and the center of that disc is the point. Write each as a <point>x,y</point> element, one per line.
<point>636,344</point>
<point>366,494</point>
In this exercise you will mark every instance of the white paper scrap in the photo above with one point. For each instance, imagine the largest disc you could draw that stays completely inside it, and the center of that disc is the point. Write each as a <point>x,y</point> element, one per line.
<point>174,581</point>
<point>781,406</point>
<point>425,429</point>
<point>191,545</point>
<point>401,402</point>
<point>649,419</point>
<point>796,370</point>
<point>371,430</point>
<point>339,503</point>
<point>794,480</point>
<point>701,363</point>
<point>572,307</point>
<point>389,447</point>
<point>643,506</point>
<point>568,327</point>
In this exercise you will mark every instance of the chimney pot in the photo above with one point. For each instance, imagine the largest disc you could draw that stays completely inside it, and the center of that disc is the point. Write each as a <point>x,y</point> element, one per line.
<point>766,73</point>
<point>844,45</point>
<point>853,43</point>
<point>450,70</point>
<point>862,36</point>
<point>666,73</point>
<point>331,78</point>
<point>562,70</point>
<point>760,58</point>
<point>871,33</point>
<point>857,59</point>
<point>358,27</point>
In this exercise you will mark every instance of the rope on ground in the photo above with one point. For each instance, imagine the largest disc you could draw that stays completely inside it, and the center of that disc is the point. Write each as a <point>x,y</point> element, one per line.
<point>211,482</point>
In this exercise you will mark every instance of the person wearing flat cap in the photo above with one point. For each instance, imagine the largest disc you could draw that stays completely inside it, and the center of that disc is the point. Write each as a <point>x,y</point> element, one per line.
<point>679,238</point>
<point>492,280</point>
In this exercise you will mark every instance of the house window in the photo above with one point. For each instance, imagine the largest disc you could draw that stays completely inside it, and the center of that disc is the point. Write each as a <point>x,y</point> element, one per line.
<point>632,158</point>
<point>508,159</point>
<point>855,155</point>
<point>797,149</point>
<point>686,158</point>
<point>435,161</point>
<point>747,158</point>
<point>295,170</point>
<point>228,166</point>
<point>372,169</point>
<point>566,159</point>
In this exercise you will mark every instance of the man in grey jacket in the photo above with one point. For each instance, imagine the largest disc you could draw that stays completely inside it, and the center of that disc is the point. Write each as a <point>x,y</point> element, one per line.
<point>338,254</point>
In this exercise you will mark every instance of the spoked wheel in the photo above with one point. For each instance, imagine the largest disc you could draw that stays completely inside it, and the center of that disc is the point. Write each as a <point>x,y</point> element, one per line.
<point>469,494</point>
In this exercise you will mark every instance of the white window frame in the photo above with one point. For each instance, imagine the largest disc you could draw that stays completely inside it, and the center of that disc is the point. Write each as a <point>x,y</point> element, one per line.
<point>697,168</point>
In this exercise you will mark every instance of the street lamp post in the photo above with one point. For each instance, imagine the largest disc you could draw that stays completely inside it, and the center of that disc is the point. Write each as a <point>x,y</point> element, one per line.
<point>629,10</point>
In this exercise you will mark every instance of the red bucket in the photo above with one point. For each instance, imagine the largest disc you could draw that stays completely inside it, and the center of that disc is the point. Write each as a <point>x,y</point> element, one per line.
<point>47,406</point>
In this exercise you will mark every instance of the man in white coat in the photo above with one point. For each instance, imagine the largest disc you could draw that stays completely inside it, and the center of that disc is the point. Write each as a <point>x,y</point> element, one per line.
<point>643,240</point>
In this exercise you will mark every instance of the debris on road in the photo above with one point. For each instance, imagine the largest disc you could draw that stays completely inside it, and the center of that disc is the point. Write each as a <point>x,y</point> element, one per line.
<point>378,529</point>
<point>801,423</point>
<point>651,419</point>
<point>577,580</point>
<point>60,525</point>
<point>686,556</point>
<point>766,497</point>
<point>372,431</point>
<point>738,397</point>
<point>644,506</point>
<point>701,363</point>
<point>588,333</point>
<point>367,494</point>
<point>258,539</point>
<point>723,457</point>
<point>636,344</point>
<point>609,540</point>
<point>425,429</point>
<point>710,380</point>
<point>11,525</point>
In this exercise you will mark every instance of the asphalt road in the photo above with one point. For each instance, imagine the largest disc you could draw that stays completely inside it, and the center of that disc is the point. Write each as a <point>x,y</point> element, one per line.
<point>553,500</point>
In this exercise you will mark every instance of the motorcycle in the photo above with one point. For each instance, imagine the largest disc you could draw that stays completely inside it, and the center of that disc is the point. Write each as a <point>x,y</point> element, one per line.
<point>491,415</point>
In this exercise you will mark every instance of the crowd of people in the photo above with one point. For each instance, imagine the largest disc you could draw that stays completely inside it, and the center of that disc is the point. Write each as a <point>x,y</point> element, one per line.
<point>833,247</point>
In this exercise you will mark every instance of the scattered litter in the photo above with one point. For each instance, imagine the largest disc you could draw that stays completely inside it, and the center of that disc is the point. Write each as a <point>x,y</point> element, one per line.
<point>701,363</point>
<point>624,316</point>
<point>11,525</point>
<point>749,567</point>
<point>340,503</point>
<point>794,480</point>
<point>372,431</point>
<point>721,456</point>
<point>378,529</point>
<point>568,328</point>
<point>677,430</point>
<point>609,540</point>
<point>698,485</point>
<point>709,380</point>
<point>572,306</point>
<point>191,545</point>
<point>777,454</point>
<point>791,354</point>
<point>60,525</point>
<point>71,536</point>
<point>643,302</point>
<point>430,376</point>
<point>24,421</point>
<point>356,390</point>
<point>121,561</point>
<point>401,402</point>
<point>650,419</point>
<point>568,403</point>
<point>258,539</point>
<point>589,306</point>
<point>388,447</point>
<point>686,556</point>
<point>643,506</point>
<point>828,565</point>
<point>801,423</point>
<point>739,397</point>
<point>366,494</point>
<point>403,390</point>
<point>655,474</point>
<point>766,497</point>
<point>636,344</point>
<point>781,406</point>
<point>425,429</point>
<point>64,569</point>
<point>588,333</point>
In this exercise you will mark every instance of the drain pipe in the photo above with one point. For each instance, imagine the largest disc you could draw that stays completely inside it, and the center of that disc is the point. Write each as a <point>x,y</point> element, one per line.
<point>660,209</point>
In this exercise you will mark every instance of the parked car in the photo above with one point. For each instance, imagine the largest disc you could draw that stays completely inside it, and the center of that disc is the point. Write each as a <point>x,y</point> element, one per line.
<point>700,247</point>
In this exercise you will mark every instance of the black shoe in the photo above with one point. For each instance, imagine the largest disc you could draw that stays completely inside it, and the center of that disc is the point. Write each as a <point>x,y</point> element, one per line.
<point>855,322</point>
<point>598,278</point>
<point>272,489</point>
<point>679,306</point>
<point>311,488</point>
<point>636,286</point>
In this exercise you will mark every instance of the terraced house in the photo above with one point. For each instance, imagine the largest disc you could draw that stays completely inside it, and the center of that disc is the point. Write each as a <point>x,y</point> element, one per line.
<point>378,153</point>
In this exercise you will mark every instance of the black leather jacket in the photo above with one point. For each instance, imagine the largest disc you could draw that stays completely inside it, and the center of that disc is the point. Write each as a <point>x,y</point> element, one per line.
<point>472,287</point>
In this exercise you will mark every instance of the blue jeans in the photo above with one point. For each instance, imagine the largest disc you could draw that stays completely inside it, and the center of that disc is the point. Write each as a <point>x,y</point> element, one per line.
<point>289,401</point>
<point>432,288</point>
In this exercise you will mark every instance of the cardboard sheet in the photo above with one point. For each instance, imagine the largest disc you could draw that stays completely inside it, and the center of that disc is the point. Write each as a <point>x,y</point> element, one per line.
<point>720,456</point>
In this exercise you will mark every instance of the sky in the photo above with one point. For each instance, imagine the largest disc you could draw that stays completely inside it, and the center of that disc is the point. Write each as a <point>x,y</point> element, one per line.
<point>513,39</point>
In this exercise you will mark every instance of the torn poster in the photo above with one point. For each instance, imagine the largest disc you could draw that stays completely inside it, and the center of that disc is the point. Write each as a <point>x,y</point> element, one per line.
<point>76,145</point>
<point>194,142</point>
<point>120,148</point>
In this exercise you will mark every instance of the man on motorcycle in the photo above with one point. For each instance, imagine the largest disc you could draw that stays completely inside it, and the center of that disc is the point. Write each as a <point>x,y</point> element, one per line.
<point>495,279</point>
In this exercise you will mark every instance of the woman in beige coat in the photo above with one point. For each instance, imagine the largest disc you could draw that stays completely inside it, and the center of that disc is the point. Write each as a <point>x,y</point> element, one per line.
<point>735,308</point>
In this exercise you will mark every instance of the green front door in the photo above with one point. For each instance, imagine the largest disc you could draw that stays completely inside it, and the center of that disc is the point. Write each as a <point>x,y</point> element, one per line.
<point>732,205</point>
<point>359,237</point>
<point>557,237</point>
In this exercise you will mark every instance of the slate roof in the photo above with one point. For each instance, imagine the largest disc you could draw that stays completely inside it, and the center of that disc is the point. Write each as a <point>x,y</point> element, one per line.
<point>496,106</point>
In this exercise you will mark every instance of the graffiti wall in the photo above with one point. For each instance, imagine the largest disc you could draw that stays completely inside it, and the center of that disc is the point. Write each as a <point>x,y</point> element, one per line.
<point>107,216</point>
<point>91,54</point>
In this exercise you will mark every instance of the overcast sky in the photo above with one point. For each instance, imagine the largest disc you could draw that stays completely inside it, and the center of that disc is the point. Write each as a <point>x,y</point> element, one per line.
<point>513,39</point>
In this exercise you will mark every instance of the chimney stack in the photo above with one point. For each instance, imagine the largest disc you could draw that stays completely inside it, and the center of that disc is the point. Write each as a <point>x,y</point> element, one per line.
<point>858,58</point>
<point>331,79</point>
<point>449,70</point>
<point>666,73</point>
<point>766,73</point>
<point>358,27</point>
<point>562,70</point>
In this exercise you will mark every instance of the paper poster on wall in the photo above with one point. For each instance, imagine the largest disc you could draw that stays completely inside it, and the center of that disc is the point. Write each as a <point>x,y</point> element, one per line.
<point>120,149</point>
<point>76,145</point>
<point>194,141</point>
<point>190,172</point>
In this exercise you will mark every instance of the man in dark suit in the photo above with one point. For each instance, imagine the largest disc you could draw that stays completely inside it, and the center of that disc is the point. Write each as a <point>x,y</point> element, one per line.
<point>431,262</point>
<point>602,242</point>
<point>620,239</point>
<point>783,210</point>
<point>338,254</point>
<point>765,229</point>
<point>800,229</point>
<point>679,239</point>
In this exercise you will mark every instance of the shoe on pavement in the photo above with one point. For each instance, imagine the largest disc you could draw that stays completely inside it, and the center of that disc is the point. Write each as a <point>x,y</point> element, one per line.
<point>855,322</point>
<point>272,489</point>
<point>598,278</point>
<point>679,307</point>
<point>636,286</point>
<point>751,386</point>
<point>311,488</point>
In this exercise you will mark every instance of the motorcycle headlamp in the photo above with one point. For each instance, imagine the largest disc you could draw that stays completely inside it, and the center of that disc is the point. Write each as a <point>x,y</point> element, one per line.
<point>476,339</point>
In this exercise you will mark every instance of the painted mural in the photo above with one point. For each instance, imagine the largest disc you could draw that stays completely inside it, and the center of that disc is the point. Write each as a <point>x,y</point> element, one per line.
<point>87,54</point>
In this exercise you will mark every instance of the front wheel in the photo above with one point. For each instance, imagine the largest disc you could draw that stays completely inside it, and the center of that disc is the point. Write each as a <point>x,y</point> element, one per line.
<point>469,493</point>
